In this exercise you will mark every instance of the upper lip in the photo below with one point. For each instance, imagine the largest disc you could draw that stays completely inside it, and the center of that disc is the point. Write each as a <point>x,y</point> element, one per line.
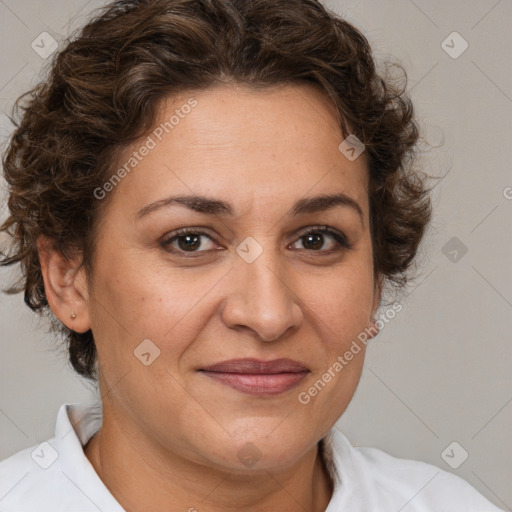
<point>256,366</point>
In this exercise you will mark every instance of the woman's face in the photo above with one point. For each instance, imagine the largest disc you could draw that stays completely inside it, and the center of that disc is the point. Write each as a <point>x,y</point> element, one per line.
<point>245,282</point>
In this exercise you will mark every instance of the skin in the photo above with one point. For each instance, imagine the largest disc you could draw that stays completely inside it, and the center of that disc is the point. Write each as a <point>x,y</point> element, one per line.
<point>171,436</point>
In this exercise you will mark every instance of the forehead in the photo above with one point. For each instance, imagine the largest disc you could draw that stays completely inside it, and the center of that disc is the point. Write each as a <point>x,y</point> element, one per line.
<point>244,144</point>
<point>250,118</point>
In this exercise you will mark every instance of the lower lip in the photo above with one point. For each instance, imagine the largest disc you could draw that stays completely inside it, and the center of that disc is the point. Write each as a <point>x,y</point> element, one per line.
<point>258,384</point>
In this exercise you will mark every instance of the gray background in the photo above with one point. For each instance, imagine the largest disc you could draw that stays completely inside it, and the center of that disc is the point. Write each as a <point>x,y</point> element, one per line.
<point>440,371</point>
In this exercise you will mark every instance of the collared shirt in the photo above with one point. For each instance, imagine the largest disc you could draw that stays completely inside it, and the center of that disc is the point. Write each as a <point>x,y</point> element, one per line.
<point>56,476</point>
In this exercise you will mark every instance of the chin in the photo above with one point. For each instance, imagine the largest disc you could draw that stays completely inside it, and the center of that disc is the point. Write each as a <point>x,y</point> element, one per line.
<point>261,446</point>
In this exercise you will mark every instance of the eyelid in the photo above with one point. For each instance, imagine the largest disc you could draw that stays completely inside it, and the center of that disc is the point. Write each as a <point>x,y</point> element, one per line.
<point>341,239</point>
<point>166,241</point>
<point>323,228</point>
<point>339,236</point>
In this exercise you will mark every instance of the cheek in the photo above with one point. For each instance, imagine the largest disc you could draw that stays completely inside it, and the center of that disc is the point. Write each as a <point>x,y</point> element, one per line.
<point>340,304</point>
<point>135,301</point>
<point>340,310</point>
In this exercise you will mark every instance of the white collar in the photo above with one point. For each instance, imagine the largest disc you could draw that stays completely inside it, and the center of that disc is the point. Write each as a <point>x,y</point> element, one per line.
<point>78,422</point>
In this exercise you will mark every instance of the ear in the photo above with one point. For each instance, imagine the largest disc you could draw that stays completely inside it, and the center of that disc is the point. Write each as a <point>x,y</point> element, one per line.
<point>377,295</point>
<point>65,286</point>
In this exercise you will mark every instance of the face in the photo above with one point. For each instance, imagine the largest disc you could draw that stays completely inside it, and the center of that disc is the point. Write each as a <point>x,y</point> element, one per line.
<point>263,272</point>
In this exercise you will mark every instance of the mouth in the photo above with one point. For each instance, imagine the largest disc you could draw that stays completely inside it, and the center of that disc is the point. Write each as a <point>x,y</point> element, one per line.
<point>256,377</point>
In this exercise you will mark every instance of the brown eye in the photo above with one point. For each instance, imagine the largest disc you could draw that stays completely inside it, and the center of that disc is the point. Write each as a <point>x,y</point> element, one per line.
<point>315,240</point>
<point>186,240</point>
<point>189,242</point>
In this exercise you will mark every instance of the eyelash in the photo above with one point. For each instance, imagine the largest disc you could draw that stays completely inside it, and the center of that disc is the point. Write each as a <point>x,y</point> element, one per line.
<point>338,236</point>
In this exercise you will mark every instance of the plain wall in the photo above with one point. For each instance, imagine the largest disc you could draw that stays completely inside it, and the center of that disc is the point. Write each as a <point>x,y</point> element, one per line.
<point>440,371</point>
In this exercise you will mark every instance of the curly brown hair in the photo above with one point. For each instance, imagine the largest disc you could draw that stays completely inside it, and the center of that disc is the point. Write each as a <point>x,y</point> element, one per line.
<point>103,90</point>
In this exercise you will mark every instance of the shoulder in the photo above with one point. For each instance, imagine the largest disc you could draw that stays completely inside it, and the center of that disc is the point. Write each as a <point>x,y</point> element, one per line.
<point>422,486</point>
<point>392,483</point>
<point>55,475</point>
<point>29,476</point>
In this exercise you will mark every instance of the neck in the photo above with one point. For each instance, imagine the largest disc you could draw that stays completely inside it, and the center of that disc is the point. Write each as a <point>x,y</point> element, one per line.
<point>140,478</point>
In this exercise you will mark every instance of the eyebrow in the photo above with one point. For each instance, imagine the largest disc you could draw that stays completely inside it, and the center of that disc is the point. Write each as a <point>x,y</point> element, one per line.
<point>211,206</point>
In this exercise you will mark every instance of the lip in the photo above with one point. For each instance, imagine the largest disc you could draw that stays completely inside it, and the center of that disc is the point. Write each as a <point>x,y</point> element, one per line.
<point>257,377</point>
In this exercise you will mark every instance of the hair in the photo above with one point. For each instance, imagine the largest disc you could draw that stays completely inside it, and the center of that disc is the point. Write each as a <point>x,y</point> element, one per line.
<point>103,91</point>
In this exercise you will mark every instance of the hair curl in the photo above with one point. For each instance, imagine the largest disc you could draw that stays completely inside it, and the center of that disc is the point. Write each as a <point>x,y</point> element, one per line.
<point>103,92</point>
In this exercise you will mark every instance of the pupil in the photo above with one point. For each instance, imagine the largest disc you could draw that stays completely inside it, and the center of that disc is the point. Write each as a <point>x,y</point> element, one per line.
<point>315,237</point>
<point>188,238</point>
<point>314,240</point>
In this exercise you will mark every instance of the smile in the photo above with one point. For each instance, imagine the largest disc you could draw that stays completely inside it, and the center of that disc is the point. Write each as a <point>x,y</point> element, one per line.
<point>258,377</point>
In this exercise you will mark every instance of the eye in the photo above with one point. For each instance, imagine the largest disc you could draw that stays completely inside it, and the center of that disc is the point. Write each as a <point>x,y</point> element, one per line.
<point>314,239</point>
<point>188,240</point>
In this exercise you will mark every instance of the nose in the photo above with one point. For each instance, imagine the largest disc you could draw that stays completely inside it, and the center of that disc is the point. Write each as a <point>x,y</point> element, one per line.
<point>261,298</point>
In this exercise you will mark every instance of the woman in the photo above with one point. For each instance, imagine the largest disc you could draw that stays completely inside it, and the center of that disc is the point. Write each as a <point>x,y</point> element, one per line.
<point>211,197</point>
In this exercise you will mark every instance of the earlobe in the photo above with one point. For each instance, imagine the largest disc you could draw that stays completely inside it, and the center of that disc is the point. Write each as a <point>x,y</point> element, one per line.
<point>65,286</point>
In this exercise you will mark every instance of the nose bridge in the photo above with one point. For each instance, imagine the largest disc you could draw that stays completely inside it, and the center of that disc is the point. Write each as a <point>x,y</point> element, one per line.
<point>261,299</point>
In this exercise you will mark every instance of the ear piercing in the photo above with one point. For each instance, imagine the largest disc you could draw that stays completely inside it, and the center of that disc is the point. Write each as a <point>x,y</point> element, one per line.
<point>73,316</point>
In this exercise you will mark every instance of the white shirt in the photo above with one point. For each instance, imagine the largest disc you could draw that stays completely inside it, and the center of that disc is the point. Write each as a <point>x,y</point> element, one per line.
<point>56,476</point>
